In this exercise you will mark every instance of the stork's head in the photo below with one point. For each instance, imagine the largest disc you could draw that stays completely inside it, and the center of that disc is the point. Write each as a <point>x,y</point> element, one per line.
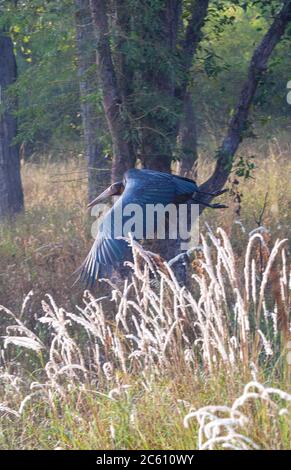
<point>116,189</point>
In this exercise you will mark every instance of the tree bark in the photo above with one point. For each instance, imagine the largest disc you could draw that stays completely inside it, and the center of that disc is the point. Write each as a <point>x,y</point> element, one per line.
<point>123,159</point>
<point>237,124</point>
<point>187,129</point>
<point>124,73</point>
<point>11,194</point>
<point>159,143</point>
<point>97,167</point>
<point>188,140</point>
<point>191,40</point>
<point>165,85</point>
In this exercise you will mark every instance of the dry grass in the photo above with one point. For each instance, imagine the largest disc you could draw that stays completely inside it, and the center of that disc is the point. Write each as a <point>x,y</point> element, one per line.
<point>271,178</point>
<point>90,379</point>
<point>45,245</point>
<point>132,366</point>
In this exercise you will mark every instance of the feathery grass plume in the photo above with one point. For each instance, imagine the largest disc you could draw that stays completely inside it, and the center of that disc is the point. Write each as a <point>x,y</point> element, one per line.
<point>151,325</point>
<point>140,333</point>
<point>226,426</point>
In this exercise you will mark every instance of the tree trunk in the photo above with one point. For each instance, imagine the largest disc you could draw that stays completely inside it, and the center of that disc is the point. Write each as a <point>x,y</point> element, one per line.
<point>98,167</point>
<point>188,140</point>
<point>187,137</point>
<point>118,124</point>
<point>159,139</point>
<point>11,194</point>
<point>164,84</point>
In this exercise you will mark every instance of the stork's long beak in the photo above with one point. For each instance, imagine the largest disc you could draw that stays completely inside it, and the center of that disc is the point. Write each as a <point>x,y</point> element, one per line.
<point>113,190</point>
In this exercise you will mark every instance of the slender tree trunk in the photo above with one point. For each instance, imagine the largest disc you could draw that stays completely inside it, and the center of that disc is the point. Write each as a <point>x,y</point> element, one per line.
<point>118,124</point>
<point>98,168</point>
<point>257,68</point>
<point>11,194</point>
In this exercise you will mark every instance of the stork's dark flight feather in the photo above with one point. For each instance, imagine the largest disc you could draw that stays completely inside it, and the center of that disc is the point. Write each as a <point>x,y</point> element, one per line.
<point>140,187</point>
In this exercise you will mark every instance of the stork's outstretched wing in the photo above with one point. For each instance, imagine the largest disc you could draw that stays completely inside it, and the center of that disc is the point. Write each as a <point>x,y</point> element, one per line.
<point>142,187</point>
<point>106,250</point>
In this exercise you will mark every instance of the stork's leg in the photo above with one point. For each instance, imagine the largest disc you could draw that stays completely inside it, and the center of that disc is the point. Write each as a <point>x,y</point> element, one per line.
<point>215,193</point>
<point>213,206</point>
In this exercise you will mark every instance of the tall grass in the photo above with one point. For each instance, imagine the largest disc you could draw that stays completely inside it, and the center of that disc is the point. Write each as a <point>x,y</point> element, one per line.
<point>148,364</point>
<point>135,368</point>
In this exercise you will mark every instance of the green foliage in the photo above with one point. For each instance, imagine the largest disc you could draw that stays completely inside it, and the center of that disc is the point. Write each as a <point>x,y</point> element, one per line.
<point>221,67</point>
<point>47,86</point>
<point>48,92</point>
<point>245,167</point>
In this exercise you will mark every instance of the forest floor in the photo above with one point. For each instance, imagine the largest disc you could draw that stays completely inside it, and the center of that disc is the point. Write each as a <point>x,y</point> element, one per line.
<point>115,402</point>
